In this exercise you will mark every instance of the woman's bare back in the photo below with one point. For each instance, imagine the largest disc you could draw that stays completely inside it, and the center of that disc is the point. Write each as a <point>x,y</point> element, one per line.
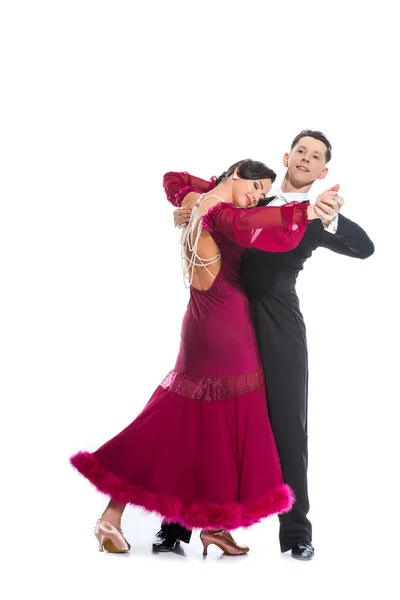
<point>203,257</point>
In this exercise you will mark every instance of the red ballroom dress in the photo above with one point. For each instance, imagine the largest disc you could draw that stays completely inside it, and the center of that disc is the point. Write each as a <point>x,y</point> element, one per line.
<point>217,467</point>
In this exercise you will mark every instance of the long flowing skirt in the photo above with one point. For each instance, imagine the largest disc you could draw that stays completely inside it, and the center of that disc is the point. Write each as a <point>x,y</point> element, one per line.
<point>201,453</point>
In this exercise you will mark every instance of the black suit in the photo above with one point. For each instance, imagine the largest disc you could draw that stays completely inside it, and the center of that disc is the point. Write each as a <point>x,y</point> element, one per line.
<point>269,280</point>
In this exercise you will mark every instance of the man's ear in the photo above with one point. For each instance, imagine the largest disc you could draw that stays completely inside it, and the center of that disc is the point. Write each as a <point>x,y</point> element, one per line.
<point>286,160</point>
<point>323,174</point>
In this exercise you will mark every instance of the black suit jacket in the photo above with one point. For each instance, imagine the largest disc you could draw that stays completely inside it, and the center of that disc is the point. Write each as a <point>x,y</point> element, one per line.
<point>264,273</point>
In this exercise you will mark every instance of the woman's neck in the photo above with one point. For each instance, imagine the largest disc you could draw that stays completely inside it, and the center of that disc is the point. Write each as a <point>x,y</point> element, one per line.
<point>224,191</point>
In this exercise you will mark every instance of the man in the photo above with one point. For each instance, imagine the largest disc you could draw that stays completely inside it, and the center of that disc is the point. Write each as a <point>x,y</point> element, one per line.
<point>269,280</point>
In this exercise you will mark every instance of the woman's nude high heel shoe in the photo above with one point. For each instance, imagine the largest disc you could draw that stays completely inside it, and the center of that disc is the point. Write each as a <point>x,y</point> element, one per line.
<point>110,538</point>
<point>223,540</point>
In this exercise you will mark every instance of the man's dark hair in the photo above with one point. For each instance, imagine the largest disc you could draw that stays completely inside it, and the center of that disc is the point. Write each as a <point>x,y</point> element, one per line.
<point>317,135</point>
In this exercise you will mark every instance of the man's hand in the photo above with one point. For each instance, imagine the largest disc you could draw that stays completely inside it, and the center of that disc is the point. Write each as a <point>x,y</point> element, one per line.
<point>181,217</point>
<point>328,204</point>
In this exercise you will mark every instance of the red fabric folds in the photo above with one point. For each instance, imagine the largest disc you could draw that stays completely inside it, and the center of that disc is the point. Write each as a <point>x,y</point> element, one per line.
<point>178,185</point>
<point>273,229</point>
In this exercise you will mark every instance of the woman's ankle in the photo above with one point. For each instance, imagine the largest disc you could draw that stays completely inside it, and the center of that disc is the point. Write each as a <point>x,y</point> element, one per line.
<point>113,515</point>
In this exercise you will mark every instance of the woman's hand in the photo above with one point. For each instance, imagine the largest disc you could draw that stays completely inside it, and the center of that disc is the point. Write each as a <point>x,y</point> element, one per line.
<point>328,204</point>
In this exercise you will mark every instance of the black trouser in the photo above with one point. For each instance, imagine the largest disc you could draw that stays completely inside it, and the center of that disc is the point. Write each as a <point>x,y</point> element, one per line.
<point>178,531</point>
<point>281,336</point>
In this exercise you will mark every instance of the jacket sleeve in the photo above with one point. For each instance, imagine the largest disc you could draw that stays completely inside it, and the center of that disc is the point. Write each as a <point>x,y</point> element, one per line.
<point>350,239</point>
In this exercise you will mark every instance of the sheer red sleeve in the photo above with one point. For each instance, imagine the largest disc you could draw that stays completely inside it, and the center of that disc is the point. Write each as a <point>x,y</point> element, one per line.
<point>269,228</point>
<point>178,185</point>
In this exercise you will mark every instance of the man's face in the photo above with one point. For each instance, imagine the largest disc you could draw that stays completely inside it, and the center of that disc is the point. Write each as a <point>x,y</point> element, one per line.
<point>306,162</point>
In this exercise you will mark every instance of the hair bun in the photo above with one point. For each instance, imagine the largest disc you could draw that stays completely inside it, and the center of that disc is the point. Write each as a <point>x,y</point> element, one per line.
<point>221,178</point>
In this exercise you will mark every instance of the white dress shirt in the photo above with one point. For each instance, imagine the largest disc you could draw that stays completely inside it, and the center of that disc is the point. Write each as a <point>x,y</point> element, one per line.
<point>287,197</point>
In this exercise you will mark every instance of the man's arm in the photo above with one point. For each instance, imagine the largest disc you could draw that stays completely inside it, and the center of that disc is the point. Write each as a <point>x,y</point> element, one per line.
<point>350,239</point>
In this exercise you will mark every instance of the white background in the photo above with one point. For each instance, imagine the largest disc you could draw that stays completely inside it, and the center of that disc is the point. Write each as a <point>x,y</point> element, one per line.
<point>98,100</point>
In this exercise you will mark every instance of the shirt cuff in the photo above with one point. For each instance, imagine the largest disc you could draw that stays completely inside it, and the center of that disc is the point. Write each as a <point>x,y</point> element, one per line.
<point>333,225</point>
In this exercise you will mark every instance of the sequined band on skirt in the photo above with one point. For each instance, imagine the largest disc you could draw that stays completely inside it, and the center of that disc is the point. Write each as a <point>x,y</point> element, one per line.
<point>213,388</point>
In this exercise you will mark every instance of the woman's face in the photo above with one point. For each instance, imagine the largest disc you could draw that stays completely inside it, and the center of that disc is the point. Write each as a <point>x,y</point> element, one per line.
<point>247,193</point>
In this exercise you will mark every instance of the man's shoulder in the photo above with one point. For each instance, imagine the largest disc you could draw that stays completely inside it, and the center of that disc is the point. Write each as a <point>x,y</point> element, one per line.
<point>266,201</point>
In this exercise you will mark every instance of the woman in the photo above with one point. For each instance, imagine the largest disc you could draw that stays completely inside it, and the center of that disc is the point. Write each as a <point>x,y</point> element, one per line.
<point>220,470</point>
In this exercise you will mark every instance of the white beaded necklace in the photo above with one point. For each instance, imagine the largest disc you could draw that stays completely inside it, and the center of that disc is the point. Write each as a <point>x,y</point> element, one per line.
<point>189,245</point>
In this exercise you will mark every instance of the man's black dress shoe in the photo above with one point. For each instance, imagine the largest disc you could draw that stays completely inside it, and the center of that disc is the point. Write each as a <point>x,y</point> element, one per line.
<point>166,541</point>
<point>169,536</point>
<point>303,551</point>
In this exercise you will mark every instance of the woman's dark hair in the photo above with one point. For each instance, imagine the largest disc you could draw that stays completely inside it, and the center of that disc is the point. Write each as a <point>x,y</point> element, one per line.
<point>248,169</point>
<point>317,135</point>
